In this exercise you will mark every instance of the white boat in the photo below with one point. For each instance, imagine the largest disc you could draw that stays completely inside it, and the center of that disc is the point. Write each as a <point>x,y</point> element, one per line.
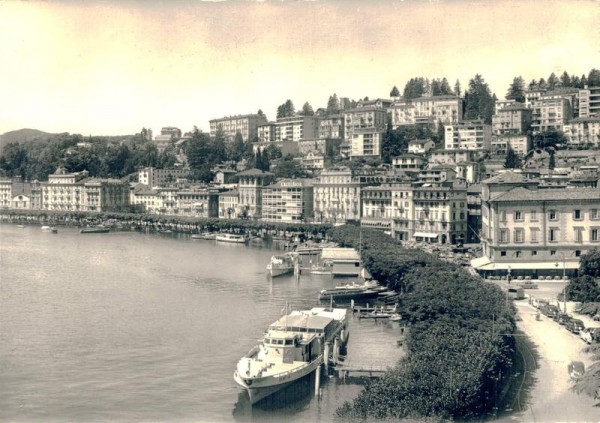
<point>51,229</point>
<point>235,238</point>
<point>281,264</point>
<point>205,235</point>
<point>293,347</point>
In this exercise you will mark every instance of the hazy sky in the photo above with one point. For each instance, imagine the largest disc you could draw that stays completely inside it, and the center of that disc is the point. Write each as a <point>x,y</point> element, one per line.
<point>113,67</point>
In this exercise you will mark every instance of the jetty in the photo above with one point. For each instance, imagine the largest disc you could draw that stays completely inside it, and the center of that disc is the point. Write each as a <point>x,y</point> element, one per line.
<point>358,369</point>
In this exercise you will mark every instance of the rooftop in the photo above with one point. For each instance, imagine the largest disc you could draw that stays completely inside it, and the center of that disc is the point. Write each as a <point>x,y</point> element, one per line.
<point>562,194</point>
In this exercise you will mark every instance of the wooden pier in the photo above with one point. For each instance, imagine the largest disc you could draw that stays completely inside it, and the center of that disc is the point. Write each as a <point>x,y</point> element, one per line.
<point>349,369</point>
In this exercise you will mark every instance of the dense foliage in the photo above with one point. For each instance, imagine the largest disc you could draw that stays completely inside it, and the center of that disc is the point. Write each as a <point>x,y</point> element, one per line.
<point>459,344</point>
<point>101,156</point>
<point>585,288</point>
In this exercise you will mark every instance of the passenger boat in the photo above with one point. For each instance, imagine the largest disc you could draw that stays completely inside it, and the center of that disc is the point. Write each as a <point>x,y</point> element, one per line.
<point>20,226</point>
<point>293,347</point>
<point>51,229</point>
<point>95,230</point>
<point>281,264</point>
<point>234,238</point>
<point>349,292</point>
<point>204,235</point>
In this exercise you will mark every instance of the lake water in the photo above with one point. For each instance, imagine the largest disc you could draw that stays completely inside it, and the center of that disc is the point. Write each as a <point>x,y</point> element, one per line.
<point>128,326</point>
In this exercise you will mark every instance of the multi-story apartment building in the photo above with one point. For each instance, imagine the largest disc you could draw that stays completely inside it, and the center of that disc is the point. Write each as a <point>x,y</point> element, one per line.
<point>366,142</point>
<point>583,130</point>
<point>266,132</point>
<point>468,135</point>
<point>533,95</point>
<point>161,177</point>
<point>197,202</point>
<point>312,161</point>
<point>428,111</point>
<point>229,205</point>
<point>75,192</point>
<point>323,146</point>
<point>569,94</point>
<point>589,102</point>
<point>520,144</point>
<point>408,162</point>
<point>440,212</point>
<point>288,200</point>
<point>331,126</point>
<point>296,128</point>
<point>403,211</point>
<point>372,119</point>
<point>377,207</point>
<point>511,119</point>
<point>551,114</point>
<point>545,231</point>
<point>246,125</point>
<point>251,183</point>
<point>501,104</point>
<point>5,193</point>
<point>437,173</point>
<point>337,196</point>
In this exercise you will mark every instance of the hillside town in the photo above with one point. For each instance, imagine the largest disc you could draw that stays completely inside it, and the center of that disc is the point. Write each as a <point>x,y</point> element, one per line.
<point>523,185</point>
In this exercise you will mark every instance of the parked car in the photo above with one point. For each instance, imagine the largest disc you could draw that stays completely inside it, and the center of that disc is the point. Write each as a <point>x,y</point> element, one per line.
<point>596,318</point>
<point>575,325</point>
<point>561,318</point>
<point>590,335</point>
<point>549,310</point>
<point>539,302</point>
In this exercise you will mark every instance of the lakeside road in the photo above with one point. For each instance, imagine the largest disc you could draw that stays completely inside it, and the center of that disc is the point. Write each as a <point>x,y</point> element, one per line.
<point>551,398</point>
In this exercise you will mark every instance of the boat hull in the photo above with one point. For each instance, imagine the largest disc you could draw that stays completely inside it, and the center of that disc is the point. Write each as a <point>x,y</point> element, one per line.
<point>278,271</point>
<point>347,295</point>
<point>259,389</point>
<point>231,240</point>
<point>94,231</point>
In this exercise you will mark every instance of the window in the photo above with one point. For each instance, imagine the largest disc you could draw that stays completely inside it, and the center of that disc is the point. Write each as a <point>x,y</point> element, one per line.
<point>517,254</point>
<point>518,235</point>
<point>534,217</point>
<point>518,215</point>
<point>503,235</point>
<point>503,215</point>
<point>552,215</point>
<point>553,235</point>
<point>552,252</point>
<point>502,253</point>
<point>594,214</point>
<point>534,235</point>
<point>594,235</point>
<point>577,253</point>
<point>534,252</point>
<point>576,214</point>
<point>578,234</point>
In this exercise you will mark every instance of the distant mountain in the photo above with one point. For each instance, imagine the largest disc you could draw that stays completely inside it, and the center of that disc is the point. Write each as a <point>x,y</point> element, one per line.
<point>24,135</point>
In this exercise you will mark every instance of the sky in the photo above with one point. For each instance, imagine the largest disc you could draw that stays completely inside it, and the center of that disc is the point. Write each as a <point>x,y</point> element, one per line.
<point>113,67</point>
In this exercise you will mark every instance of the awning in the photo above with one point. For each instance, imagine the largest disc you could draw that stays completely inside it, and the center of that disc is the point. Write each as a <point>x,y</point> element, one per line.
<point>425,235</point>
<point>480,261</point>
<point>545,265</point>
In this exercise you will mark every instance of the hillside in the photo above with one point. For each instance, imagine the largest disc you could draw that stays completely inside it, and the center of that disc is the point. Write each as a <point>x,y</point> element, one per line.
<point>24,135</point>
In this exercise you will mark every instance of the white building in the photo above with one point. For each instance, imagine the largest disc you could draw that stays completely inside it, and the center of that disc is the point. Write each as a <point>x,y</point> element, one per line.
<point>468,135</point>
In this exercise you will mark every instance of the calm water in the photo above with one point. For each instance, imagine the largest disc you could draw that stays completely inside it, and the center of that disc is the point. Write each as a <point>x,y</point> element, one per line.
<point>138,327</point>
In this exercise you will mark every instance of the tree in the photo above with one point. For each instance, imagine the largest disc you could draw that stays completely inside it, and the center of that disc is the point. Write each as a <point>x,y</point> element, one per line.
<point>457,88</point>
<point>479,100</point>
<point>333,104</point>
<point>589,263</point>
<point>436,87</point>
<point>542,84</point>
<point>584,81</point>
<point>533,84</point>
<point>445,87</point>
<point>307,110</point>
<point>414,88</point>
<point>552,160</point>
<point>273,152</point>
<point>286,109</point>
<point>395,92</point>
<point>261,113</point>
<point>516,90</point>
<point>236,148</point>
<point>593,79</point>
<point>289,168</point>
<point>553,81</point>
<point>583,289</point>
<point>512,161</point>
<point>565,80</point>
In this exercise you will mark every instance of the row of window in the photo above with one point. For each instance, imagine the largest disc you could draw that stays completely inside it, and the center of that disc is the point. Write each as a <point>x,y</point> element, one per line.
<point>554,235</point>
<point>578,214</point>
<point>534,253</point>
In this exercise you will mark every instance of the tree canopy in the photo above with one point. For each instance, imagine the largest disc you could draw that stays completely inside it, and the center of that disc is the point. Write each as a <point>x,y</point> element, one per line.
<point>516,90</point>
<point>286,109</point>
<point>479,102</point>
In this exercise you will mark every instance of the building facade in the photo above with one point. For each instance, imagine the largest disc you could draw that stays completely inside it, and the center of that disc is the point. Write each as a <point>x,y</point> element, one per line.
<point>520,144</point>
<point>246,125</point>
<point>251,183</point>
<point>295,128</point>
<point>468,135</point>
<point>364,119</point>
<point>337,196</point>
<point>551,114</point>
<point>429,111</point>
<point>331,127</point>
<point>583,130</point>
<point>161,177</point>
<point>288,200</point>
<point>512,119</point>
<point>366,142</point>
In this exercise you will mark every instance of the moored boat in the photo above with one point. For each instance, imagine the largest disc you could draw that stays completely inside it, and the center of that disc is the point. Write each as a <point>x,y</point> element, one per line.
<point>293,347</point>
<point>204,235</point>
<point>281,264</point>
<point>95,230</point>
<point>233,238</point>
<point>352,291</point>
